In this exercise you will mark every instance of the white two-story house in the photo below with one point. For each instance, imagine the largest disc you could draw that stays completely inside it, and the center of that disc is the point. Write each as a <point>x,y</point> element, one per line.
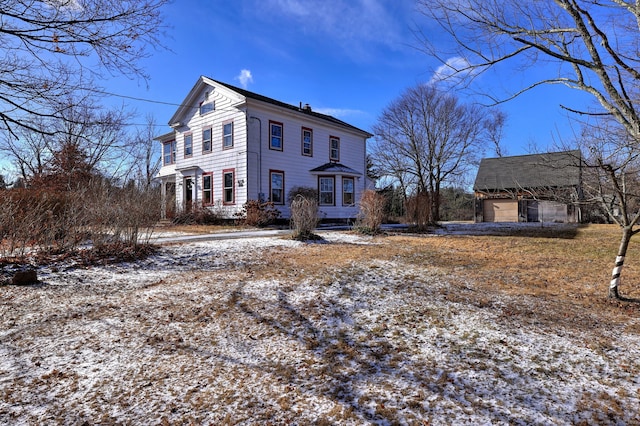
<point>230,145</point>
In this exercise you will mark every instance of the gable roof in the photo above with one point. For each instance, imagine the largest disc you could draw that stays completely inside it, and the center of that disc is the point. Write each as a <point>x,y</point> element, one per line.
<point>553,169</point>
<point>189,103</point>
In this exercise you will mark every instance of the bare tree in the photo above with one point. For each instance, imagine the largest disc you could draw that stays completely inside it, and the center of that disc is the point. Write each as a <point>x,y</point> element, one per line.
<point>594,43</point>
<point>84,129</point>
<point>50,48</point>
<point>145,154</point>
<point>612,182</point>
<point>28,150</point>
<point>495,126</point>
<point>426,138</point>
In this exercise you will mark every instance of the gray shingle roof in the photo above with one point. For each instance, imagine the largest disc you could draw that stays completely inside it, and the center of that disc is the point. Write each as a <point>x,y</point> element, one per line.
<point>335,168</point>
<point>262,98</point>
<point>554,169</point>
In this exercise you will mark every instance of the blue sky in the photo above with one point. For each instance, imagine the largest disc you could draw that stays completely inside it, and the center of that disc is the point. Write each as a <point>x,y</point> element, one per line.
<point>346,58</point>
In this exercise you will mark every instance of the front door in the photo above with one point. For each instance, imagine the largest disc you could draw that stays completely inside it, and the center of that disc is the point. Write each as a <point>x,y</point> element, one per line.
<point>188,193</point>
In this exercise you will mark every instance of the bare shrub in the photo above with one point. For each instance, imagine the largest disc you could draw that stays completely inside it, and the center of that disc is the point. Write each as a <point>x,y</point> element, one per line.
<point>137,213</point>
<point>258,213</point>
<point>305,191</point>
<point>304,213</point>
<point>38,219</point>
<point>372,212</point>
<point>198,215</point>
<point>418,210</point>
<point>63,221</point>
<point>13,237</point>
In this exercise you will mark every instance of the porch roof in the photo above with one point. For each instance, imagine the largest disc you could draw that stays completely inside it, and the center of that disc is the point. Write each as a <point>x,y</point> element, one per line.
<point>335,169</point>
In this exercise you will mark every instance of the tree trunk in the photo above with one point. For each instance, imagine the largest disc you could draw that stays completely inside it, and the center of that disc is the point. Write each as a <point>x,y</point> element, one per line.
<point>614,293</point>
<point>434,201</point>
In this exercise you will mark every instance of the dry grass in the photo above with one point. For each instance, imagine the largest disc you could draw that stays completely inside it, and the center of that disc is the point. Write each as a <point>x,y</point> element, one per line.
<point>566,272</point>
<point>570,269</point>
<point>407,330</point>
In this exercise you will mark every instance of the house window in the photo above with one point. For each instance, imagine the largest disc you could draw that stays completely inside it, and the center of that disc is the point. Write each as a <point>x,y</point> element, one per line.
<point>227,135</point>
<point>276,186</point>
<point>307,141</point>
<point>334,148</point>
<point>206,140</point>
<point>169,152</point>
<point>207,188</point>
<point>228,187</point>
<point>348,191</point>
<point>206,107</point>
<point>275,133</point>
<point>326,190</point>
<point>188,145</point>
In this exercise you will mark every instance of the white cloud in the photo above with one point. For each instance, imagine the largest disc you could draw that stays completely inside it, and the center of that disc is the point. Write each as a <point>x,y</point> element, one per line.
<point>245,78</point>
<point>352,24</point>
<point>338,112</point>
<point>453,70</point>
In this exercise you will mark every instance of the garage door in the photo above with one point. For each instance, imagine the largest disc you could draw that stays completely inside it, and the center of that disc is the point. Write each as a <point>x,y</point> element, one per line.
<point>500,210</point>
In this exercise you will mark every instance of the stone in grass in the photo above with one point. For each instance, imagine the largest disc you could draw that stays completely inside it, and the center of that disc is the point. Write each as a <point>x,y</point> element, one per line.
<point>25,277</point>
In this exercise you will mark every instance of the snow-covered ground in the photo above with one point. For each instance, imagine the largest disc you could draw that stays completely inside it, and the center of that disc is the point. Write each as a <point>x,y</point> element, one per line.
<point>193,335</point>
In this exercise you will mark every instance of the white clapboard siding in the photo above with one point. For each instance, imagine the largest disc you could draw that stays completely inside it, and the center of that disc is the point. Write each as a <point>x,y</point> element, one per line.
<point>251,159</point>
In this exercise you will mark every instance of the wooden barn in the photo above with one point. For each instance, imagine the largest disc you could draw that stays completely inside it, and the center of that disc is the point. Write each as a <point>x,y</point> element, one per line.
<point>529,188</point>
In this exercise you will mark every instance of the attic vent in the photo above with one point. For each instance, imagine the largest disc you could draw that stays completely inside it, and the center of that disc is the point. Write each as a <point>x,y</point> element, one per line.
<point>306,108</point>
<point>206,96</point>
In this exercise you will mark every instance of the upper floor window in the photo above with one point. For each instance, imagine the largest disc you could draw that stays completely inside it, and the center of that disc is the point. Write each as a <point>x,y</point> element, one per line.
<point>348,191</point>
<point>307,141</point>
<point>207,106</point>
<point>228,187</point>
<point>169,152</point>
<point>276,184</point>
<point>206,140</point>
<point>326,190</point>
<point>207,188</point>
<point>334,148</point>
<point>276,135</point>
<point>188,145</point>
<point>227,135</point>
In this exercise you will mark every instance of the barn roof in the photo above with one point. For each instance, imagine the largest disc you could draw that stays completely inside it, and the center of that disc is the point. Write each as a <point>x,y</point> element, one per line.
<point>553,169</point>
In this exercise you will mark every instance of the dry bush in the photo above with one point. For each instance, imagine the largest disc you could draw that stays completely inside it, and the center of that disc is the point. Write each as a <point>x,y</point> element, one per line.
<point>63,225</point>
<point>304,213</point>
<point>138,213</point>
<point>37,219</point>
<point>196,215</point>
<point>40,219</point>
<point>258,213</point>
<point>372,212</point>
<point>418,210</point>
<point>121,215</point>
